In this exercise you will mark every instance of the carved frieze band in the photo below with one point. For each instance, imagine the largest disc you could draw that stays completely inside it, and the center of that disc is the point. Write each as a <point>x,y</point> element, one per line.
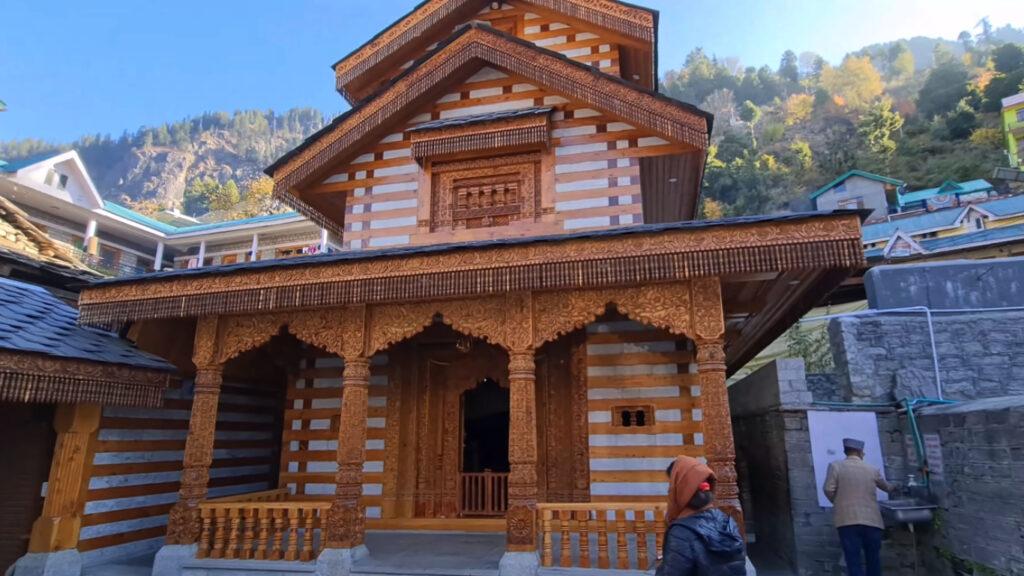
<point>26,377</point>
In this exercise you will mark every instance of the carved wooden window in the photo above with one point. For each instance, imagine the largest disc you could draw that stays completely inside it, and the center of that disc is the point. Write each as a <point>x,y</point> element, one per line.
<point>483,193</point>
<point>633,416</point>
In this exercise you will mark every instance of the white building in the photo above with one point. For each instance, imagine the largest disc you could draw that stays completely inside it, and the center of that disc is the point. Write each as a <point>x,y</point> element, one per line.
<point>56,192</point>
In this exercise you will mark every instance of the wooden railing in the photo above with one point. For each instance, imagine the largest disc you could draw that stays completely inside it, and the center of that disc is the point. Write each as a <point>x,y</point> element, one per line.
<point>261,526</point>
<point>484,493</point>
<point>580,533</point>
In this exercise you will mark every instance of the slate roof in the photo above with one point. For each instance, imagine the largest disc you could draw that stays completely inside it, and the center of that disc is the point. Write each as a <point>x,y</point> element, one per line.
<point>481,118</point>
<point>862,174</point>
<point>947,187</point>
<point>35,321</point>
<point>357,255</point>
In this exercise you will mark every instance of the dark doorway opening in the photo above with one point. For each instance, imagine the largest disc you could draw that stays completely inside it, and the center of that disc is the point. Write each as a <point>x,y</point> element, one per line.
<point>485,414</point>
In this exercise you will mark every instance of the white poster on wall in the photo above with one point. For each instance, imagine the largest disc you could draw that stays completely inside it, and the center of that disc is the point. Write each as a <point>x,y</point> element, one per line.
<point>827,430</point>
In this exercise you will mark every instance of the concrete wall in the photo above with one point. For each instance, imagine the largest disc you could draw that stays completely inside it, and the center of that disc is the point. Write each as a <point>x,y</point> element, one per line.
<point>889,356</point>
<point>870,192</point>
<point>957,284</point>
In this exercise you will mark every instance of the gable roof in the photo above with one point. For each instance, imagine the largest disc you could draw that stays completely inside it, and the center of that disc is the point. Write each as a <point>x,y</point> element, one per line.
<point>12,166</point>
<point>913,225</point>
<point>430,15</point>
<point>36,245</point>
<point>172,230</point>
<point>862,174</point>
<point>470,47</point>
<point>947,187</point>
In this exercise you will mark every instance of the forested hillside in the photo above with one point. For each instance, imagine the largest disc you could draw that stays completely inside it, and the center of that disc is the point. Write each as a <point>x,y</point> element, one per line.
<point>201,164</point>
<point>781,133</point>
<point>923,110</point>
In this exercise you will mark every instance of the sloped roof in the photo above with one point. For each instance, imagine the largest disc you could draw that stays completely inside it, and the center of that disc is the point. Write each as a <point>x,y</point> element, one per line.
<point>1009,206</point>
<point>862,174</point>
<point>171,230</point>
<point>35,244</point>
<point>973,239</point>
<point>481,118</point>
<point>474,45</point>
<point>947,187</point>
<point>428,16</point>
<point>912,225</point>
<point>12,166</point>
<point>33,320</point>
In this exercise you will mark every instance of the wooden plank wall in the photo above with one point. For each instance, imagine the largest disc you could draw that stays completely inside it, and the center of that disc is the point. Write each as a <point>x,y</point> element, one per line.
<point>309,440</point>
<point>631,364</point>
<point>596,164</point>
<point>137,463</point>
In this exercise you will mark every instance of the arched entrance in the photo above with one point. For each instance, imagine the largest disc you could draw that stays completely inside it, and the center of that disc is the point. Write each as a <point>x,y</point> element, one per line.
<point>483,487</point>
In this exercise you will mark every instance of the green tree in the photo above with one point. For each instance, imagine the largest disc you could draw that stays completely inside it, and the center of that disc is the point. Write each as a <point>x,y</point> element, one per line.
<point>877,127</point>
<point>798,108</point>
<point>199,195</point>
<point>1000,86</point>
<point>945,87</point>
<point>750,114</point>
<point>961,122</point>
<point>855,82</point>
<point>800,156</point>
<point>1007,58</point>
<point>3,106</point>
<point>788,67</point>
<point>902,67</point>
<point>225,197</point>
<point>259,197</point>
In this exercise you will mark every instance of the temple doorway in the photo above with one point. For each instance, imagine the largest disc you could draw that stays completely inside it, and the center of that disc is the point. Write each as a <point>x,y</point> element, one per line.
<point>485,424</point>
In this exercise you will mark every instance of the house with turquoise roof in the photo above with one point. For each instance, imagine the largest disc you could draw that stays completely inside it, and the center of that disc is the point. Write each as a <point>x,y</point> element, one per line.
<point>58,196</point>
<point>859,189</point>
<point>948,195</point>
<point>1013,127</point>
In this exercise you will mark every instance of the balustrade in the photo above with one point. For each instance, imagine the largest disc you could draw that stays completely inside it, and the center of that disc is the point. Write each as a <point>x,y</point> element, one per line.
<point>484,493</point>
<point>580,533</point>
<point>261,526</point>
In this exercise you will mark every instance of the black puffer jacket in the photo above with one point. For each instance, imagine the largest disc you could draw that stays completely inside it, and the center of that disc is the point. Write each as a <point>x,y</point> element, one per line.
<point>705,544</point>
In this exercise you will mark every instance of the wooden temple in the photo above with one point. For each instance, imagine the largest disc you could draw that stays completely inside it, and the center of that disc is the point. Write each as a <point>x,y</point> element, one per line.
<point>527,323</point>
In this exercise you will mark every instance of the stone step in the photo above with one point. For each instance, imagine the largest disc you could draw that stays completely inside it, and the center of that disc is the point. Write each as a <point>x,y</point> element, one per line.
<point>219,567</point>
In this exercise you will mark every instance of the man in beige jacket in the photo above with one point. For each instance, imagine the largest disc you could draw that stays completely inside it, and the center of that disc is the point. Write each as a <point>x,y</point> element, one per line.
<point>850,486</point>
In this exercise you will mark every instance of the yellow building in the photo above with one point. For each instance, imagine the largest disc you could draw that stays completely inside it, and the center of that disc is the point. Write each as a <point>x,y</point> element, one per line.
<point>1013,125</point>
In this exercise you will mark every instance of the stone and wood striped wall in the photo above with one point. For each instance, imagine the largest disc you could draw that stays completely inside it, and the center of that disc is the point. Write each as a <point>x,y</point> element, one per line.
<point>137,463</point>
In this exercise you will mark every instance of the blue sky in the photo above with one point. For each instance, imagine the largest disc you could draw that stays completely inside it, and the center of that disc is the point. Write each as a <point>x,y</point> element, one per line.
<point>73,67</point>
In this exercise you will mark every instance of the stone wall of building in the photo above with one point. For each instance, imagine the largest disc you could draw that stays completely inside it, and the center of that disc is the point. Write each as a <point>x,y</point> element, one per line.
<point>888,356</point>
<point>975,479</point>
<point>980,526</point>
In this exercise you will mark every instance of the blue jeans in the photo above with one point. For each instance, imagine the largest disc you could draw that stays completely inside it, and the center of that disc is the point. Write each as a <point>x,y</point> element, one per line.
<point>859,537</point>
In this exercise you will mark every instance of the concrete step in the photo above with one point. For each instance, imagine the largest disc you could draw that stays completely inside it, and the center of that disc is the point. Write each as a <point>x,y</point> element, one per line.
<point>218,567</point>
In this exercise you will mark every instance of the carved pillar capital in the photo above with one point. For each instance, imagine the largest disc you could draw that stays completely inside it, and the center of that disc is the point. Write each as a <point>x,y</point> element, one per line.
<point>521,517</point>
<point>345,524</point>
<point>710,355</point>
<point>183,524</point>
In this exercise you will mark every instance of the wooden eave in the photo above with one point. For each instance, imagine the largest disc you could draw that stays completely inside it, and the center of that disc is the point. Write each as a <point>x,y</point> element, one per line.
<point>41,378</point>
<point>504,134</point>
<point>471,47</point>
<point>428,22</point>
<point>796,259</point>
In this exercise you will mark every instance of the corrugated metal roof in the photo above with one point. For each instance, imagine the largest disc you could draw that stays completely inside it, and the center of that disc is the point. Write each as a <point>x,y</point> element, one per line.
<point>862,174</point>
<point>1004,206</point>
<point>172,230</point>
<point>947,187</point>
<point>12,166</point>
<point>912,225</point>
<point>33,320</point>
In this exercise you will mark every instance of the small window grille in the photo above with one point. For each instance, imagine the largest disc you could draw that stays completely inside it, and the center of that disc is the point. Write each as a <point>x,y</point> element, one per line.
<point>633,416</point>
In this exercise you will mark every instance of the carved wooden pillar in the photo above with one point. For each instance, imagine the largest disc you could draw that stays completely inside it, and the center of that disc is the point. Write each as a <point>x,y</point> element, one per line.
<point>345,522</point>
<point>522,452</point>
<point>183,522</point>
<point>721,452</point>
<point>57,527</point>
<point>708,335</point>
